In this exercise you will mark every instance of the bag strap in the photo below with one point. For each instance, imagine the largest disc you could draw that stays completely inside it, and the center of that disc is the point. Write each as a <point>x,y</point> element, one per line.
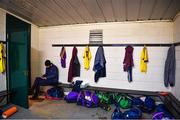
<point>92,93</point>
<point>120,98</point>
<point>80,93</point>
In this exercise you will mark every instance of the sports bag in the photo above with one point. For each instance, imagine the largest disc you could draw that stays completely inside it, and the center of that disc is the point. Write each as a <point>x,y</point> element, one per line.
<point>136,101</point>
<point>123,101</point>
<point>133,113</point>
<point>162,113</point>
<point>88,99</point>
<point>117,114</point>
<point>55,93</point>
<point>71,97</point>
<point>77,86</point>
<point>149,105</point>
<point>105,97</point>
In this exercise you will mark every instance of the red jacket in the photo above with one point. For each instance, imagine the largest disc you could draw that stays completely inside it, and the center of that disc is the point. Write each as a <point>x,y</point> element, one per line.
<point>74,67</point>
<point>128,59</point>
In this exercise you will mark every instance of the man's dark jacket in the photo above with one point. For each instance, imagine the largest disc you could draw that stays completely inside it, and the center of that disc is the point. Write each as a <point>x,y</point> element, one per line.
<point>52,73</point>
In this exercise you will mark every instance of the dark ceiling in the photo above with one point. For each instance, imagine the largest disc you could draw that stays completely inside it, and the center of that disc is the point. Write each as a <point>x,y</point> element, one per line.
<point>63,12</point>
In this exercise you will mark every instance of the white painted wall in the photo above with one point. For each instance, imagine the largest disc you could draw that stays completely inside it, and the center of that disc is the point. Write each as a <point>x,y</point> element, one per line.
<point>126,32</point>
<point>34,52</point>
<point>176,90</point>
<point>2,38</point>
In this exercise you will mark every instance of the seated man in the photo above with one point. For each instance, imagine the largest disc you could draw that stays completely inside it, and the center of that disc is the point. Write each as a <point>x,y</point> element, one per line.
<point>49,78</point>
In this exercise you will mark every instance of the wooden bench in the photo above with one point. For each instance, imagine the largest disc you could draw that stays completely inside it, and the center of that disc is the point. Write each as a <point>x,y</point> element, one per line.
<point>172,104</point>
<point>135,92</point>
<point>4,94</point>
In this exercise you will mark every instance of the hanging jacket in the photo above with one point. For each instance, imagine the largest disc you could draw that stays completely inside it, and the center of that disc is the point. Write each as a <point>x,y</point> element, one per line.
<point>63,57</point>
<point>74,67</point>
<point>170,67</point>
<point>128,62</point>
<point>144,60</point>
<point>2,60</point>
<point>99,64</point>
<point>128,59</point>
<point>87,58</point>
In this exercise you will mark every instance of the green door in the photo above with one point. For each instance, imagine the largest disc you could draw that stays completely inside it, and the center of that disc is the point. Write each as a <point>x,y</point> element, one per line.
<point>18,37</point>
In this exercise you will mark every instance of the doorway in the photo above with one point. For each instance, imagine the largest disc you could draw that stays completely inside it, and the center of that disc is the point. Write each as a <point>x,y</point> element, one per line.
<point>18,39</point>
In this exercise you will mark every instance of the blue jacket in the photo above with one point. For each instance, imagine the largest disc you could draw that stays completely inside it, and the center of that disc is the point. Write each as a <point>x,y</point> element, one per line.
<point>99,64</point>
<point>52,73</point>
<point>170,67</point>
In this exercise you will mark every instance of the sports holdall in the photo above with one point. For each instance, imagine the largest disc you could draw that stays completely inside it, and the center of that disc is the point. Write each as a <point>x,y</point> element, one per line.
<point>88,99</point>
<point>55,93</point>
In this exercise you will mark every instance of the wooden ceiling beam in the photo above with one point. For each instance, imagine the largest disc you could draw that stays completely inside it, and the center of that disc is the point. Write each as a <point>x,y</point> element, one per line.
<point>41,13</point>
<point>88,10</point>
<point>101,11</point>
<point>34,18</point>
<point>66,12</point>
<point>76,11</point>
<point>165,11</point>
<point>126,10</point>
<point>51,12</point>
<point>115,20</point>
<point>65,5</point>
<point>152,10</point>
<point>139,10</point>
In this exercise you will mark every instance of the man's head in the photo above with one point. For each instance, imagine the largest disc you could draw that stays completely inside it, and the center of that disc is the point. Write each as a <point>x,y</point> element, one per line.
<point>48,63</point>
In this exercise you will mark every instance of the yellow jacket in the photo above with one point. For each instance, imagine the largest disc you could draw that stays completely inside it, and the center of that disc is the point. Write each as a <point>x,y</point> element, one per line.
<point>2,60</point>
<point>144,60</point>
<point>87,58</point>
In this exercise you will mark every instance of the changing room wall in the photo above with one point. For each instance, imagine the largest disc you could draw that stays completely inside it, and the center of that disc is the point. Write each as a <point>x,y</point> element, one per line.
<point>125,32</point>
<point>175,90</point>
<point>34,52</point>
<point>2,38</point>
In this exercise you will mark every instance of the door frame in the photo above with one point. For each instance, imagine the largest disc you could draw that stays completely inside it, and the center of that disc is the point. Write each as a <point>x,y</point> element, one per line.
<point>28,52</point>
<point>29,55</point>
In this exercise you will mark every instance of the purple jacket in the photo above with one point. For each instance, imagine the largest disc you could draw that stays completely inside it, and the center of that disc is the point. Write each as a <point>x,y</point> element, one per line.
<point>63,57</point>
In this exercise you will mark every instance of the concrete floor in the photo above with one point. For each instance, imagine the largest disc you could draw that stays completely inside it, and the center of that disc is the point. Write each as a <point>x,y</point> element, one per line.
<point>49,109</point>
<point>23,113</point>
<point>63,110</point>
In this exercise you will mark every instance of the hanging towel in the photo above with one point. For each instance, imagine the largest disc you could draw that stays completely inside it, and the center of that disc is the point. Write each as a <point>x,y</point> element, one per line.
<point>87,58</point>
<point>170,67</point>
<point>144,60</point>
<point>74,67</point>
<point>2,58</point>
<point>128,61</point>
<point>99,64</point>
<point>63,57</point>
